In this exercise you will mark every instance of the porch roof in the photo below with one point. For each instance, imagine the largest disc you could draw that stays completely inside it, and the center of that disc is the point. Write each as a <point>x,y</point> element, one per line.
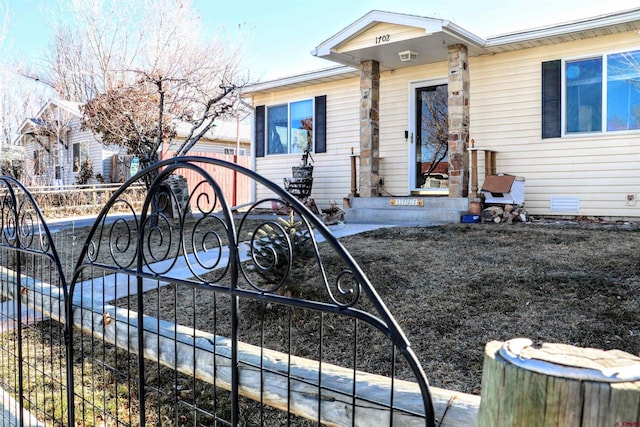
<point>380,36</point>
<point>72,108</point>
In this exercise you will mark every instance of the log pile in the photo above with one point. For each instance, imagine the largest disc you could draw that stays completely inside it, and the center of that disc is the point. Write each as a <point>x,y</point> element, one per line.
<point>332,215</point>
<point>504,213</point>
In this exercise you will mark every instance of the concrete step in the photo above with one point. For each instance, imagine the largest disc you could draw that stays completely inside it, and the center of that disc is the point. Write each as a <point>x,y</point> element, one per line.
<point>422,211</point>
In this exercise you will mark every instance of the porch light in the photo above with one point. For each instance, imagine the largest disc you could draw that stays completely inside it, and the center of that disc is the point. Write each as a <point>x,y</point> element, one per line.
<point>408,55</point>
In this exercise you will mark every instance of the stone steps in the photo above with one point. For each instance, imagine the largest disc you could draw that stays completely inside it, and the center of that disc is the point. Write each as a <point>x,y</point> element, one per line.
<point>418,210</point>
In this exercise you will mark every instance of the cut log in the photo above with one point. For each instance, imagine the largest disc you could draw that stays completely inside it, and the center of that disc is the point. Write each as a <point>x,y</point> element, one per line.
<point>491,213</point>
<point>508,216</point>
<point>558,385</point>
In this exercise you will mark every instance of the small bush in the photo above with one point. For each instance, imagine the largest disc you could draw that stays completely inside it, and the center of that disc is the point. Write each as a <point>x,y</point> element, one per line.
<point>85,173</point>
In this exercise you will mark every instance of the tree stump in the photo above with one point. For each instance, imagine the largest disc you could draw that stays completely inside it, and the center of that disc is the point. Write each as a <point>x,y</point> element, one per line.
<point>558,385</point>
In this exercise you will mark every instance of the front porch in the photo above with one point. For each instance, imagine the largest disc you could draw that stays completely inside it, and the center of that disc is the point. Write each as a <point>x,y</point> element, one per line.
<point>412,210</point>
<point>419,209</point>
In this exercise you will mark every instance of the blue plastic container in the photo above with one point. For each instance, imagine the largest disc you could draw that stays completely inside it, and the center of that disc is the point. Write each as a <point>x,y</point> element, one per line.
<point>470,218</point>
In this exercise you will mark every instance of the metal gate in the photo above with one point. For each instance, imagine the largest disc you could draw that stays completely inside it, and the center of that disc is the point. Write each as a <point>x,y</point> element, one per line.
<point>188,312</point>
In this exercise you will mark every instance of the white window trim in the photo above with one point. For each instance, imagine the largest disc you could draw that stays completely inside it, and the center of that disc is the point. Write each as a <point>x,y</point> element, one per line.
<point>563,94</point>
<point>288,104</point>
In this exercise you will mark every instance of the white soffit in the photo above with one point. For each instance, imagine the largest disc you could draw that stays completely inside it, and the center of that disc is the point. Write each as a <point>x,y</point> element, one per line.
<point>305,79</point>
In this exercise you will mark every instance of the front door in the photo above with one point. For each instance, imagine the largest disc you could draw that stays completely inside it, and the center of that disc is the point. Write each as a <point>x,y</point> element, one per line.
<point>429,160</point>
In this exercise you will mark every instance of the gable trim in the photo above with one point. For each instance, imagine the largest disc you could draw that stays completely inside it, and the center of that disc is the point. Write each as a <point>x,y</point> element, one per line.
<point>430,26</point>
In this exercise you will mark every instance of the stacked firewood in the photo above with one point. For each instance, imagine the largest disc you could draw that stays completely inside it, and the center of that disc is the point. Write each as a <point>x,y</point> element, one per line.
<point>504,213</point>
<point>333,215</point>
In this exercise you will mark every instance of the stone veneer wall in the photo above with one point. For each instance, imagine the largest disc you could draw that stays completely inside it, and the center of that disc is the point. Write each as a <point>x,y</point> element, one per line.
<point>458,121</point>
<point>369,128</point>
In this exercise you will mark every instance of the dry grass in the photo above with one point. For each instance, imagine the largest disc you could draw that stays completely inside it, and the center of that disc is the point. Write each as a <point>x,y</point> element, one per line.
<point>452,289</point>
<point>455,288</point>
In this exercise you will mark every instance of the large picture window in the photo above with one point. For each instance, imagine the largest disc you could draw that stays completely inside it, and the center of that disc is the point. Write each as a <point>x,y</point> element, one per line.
<point>290,127</point>
<point>601,94</point>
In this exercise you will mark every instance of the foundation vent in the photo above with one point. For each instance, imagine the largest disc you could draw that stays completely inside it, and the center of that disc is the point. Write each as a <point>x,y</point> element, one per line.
<point>564,204</point>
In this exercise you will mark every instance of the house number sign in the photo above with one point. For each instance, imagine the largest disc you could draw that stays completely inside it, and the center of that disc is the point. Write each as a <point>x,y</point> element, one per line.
<point>406,202</point>
<point>385,38</point>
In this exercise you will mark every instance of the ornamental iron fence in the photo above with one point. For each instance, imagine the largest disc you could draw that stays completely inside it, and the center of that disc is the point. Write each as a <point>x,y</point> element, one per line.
<point>183,311</point>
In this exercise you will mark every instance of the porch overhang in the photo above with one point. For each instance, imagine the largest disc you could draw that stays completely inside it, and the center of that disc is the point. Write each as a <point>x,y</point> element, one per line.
<point>381,36</point>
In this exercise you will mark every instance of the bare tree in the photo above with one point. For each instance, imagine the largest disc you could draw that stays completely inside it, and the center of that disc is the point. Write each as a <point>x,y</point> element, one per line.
<point>174,75</point>
<point>102,43</point>
<point>128,116</point>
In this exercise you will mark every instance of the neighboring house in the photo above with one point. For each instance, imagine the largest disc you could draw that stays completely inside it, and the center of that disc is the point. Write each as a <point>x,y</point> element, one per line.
<point>559,105</point>
<point>226,137</point>
<point>56,146</point>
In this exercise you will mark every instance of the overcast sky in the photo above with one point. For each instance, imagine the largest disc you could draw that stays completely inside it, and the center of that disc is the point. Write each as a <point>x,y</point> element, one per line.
<point>284,32</point>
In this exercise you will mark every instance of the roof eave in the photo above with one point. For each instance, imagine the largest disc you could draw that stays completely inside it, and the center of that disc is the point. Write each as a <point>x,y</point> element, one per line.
<point>320,75</point>
<point>464,35</point>
<point>584,25</point>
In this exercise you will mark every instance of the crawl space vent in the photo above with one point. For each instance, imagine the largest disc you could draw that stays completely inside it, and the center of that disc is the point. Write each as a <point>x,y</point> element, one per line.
<point>564,204</point>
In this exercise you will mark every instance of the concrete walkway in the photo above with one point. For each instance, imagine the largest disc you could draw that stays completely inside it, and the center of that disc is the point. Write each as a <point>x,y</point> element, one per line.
<point>115,286</point>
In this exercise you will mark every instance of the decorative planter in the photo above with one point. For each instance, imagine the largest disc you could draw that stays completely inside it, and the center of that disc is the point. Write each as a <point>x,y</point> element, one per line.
<point>301,182</point>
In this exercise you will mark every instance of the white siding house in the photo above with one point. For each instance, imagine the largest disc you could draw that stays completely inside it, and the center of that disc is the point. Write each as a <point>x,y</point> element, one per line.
<point>56,146</point>
<point>559,106</point>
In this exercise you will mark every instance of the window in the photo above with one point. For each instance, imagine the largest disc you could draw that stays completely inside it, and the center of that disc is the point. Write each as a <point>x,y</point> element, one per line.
<point>623,91</point>
<point>38,162</point>
<point>80,154</point>
<point>601,94</point>
<point>583,81</point>
<point>291,128</point>
<point>232,151</point>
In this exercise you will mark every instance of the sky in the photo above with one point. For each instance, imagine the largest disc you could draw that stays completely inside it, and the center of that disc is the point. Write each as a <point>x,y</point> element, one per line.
<point>283,33</point>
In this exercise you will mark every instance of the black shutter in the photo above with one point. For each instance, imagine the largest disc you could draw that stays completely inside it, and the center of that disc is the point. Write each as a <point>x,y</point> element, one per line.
<point>258,139</point>
<point>320,124</point>
<point>551,99</point>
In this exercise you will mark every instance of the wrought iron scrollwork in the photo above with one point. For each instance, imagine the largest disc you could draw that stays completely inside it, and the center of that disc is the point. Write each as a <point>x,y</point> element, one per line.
<point>21,219</point>
<point>259,252</point>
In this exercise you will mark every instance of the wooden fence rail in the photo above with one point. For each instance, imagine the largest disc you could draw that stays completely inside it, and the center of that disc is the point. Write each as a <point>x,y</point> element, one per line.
<point>192,352</point>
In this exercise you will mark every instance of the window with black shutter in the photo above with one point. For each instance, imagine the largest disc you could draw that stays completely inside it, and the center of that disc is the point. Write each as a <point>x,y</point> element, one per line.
<point>291,128</point>
<point>551,99</point>
<point>320,127</point>
<point>259,131</point>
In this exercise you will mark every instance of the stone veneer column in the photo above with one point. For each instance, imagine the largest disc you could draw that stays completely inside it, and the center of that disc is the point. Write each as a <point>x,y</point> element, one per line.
<point>369,128</point>
<point>458,121</point>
